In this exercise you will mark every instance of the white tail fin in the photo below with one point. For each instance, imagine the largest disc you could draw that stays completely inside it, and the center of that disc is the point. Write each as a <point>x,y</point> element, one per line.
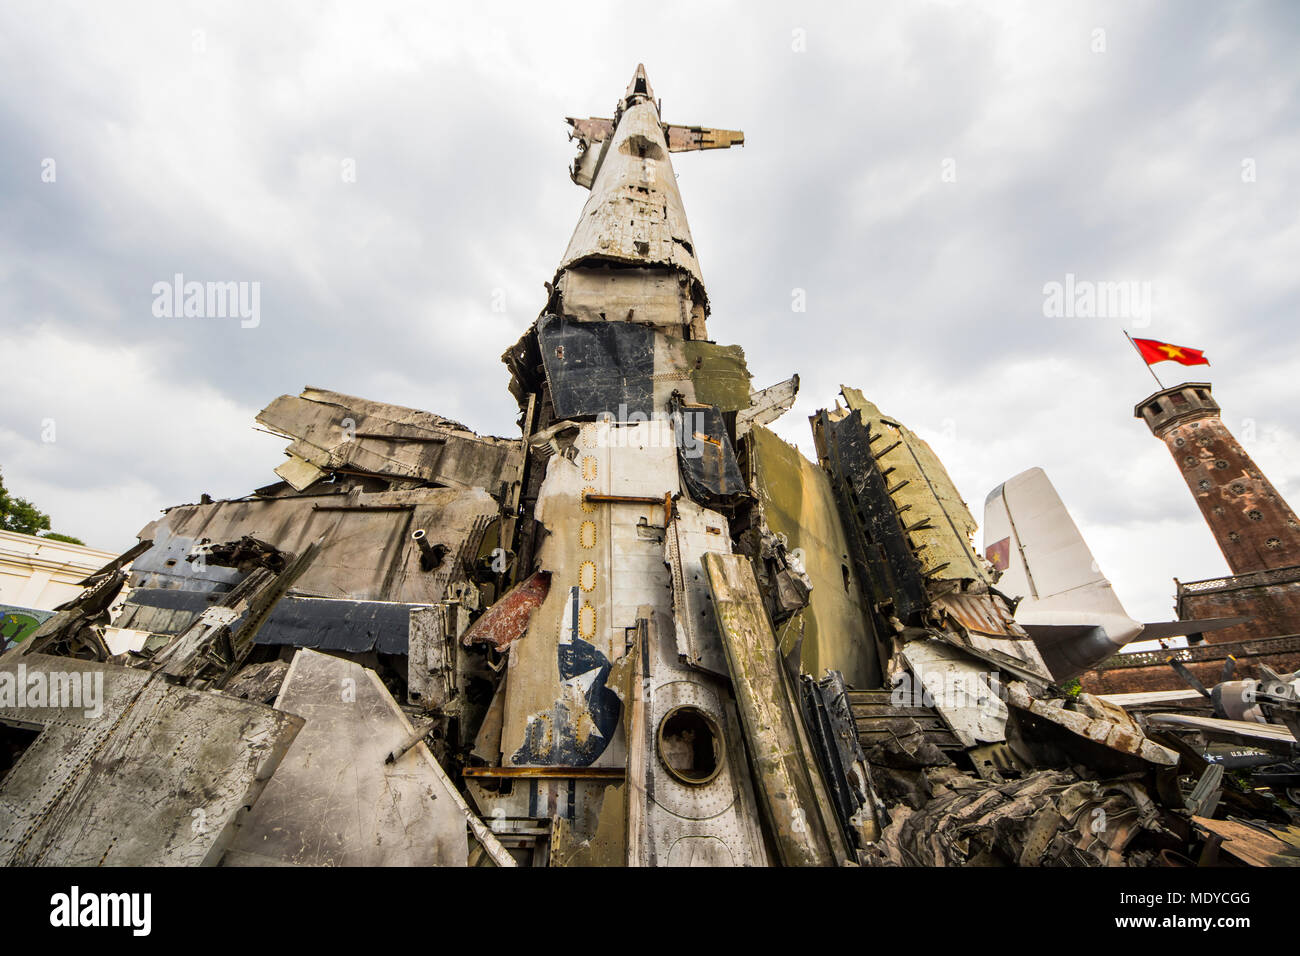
<point>1031,538</point>
<point>1067,605</point>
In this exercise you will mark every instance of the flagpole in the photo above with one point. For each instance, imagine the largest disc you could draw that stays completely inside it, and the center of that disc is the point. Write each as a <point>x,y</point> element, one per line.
<point>1144,360</point>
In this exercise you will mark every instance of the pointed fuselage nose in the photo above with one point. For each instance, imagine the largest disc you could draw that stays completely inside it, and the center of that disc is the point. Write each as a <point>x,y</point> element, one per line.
<point>638,91</point>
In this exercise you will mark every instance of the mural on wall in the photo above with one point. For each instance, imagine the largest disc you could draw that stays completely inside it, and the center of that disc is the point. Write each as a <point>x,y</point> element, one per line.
<point>17,622</point>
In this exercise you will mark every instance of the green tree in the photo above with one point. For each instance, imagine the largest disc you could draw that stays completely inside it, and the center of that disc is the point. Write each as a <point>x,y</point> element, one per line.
<point>20,515</point>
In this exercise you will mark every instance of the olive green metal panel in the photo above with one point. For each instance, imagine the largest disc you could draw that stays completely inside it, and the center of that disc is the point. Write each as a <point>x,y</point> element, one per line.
<point>720,374</point>
<point>797,501</point>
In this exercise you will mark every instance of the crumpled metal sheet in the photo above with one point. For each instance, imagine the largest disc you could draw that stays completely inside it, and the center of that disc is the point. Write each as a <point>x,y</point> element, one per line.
<point>1047,818</point>
<point>367,553</point>
<point>157,779</point>
<point>766,405</point>
<point>708,464</point>
<point>333,432</point>
<point>878,540</point>
<point>507,619</point>
<point>1254,846</point>
<point>1097,721</point>
<point>831,724</point>
<point>944,545</point>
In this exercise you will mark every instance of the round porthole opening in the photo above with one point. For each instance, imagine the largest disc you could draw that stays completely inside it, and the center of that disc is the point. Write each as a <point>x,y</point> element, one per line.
<point>690,745</point>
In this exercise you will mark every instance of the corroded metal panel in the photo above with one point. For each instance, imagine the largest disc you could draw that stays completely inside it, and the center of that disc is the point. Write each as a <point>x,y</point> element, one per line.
<point>626,370</point>
<point>788,780</point>
<point>710,472</point>
<point>333,431</point>
<point>605,560</point>
<point>155,779</point>
<point>335,800</point>
<point>693,532</point>
<point>943,545</point>
<point>367,553</point>
<point>507,619</point>
<point>652,296</point>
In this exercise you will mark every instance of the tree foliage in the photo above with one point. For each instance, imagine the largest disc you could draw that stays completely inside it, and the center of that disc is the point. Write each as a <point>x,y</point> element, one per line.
<point>20,515</point>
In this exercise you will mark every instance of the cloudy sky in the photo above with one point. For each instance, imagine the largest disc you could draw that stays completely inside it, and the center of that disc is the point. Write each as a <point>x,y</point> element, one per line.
<point>390,174</point>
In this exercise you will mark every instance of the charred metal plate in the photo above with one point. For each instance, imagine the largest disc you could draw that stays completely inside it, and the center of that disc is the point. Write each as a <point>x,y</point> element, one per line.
<point>598,368</point>
<point>322,623</point>
<point>708,463</point>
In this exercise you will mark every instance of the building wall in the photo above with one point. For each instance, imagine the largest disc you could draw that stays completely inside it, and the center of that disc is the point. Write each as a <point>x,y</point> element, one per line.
<point>41,573</point>
<point>1271,599</point>
<point>1149,670</point>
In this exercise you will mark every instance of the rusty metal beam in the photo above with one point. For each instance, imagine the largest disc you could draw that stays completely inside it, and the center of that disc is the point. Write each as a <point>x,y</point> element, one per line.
<point>546,773</point>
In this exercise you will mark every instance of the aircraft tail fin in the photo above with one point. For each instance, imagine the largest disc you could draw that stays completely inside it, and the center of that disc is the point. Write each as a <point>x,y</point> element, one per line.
<point>1030,537</point>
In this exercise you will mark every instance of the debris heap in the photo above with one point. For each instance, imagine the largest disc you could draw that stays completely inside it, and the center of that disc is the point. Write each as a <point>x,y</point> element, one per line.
<point>645,632</point>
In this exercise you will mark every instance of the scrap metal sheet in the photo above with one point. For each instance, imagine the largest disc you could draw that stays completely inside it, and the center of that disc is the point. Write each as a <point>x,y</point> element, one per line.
<point>333,431</point>
<point>335,800</point>
<point>156,779</point>
<point>708,464</point>
<point>367,553</point>
<point>321,623</point>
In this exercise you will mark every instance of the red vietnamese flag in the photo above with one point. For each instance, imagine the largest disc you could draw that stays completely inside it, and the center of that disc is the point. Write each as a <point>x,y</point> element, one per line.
<point>1153,351</point>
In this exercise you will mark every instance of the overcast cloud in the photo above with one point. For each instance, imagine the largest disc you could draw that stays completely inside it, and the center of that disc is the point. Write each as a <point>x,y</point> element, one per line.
<point>212,141</point>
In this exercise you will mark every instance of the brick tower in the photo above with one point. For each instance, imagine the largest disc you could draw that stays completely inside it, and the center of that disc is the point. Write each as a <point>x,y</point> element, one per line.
<point>1259,536</point>
<point>1255,528</point>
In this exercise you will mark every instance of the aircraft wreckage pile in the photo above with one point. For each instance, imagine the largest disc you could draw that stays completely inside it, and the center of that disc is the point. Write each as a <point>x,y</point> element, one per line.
<point>647,632</point>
